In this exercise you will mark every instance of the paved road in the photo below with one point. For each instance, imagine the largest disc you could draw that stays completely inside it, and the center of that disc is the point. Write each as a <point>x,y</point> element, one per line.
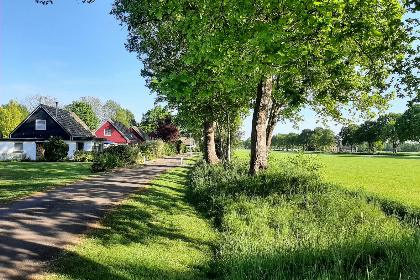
<point>35,229</point>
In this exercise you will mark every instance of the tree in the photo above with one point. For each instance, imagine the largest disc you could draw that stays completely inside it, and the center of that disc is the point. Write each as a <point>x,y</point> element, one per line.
<point>370,132</point>
<point>305,139</point>
<point>408,125</point>
<point>167,131</point>
<point>85,113</point>
<point>114,111</point>
<point>389,131</point>
<point>274,55</point>
<point>11,115</point>
<point>326,139</point>
<point>348,135</point>
<point>247,143</point>
<point>31,102</point>
<point>97,107</point>
<point>149,121</point>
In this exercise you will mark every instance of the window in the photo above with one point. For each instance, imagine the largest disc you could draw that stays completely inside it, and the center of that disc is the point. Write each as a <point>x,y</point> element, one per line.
<point>18,147</point>
<point>40,125</point>
<point>80,146</point>
<point>107,132</point>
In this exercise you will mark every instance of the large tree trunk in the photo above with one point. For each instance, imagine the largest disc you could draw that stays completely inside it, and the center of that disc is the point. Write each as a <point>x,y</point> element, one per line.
<point>272,122</point>
<point>210,152</point>
<point>259,154</point>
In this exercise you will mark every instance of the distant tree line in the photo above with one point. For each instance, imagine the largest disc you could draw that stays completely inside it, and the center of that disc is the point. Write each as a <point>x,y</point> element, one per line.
<point>388,132</point>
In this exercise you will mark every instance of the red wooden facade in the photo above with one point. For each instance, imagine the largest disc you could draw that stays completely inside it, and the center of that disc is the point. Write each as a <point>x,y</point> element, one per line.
<point>115,137</point>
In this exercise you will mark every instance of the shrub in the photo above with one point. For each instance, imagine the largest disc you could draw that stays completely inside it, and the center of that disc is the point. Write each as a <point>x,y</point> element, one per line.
<point>153,149</point>
<point>127,154</point>
<point>55,149</point>
<point>104,163</point>
<point>85,156</point>
<point>170,149</point>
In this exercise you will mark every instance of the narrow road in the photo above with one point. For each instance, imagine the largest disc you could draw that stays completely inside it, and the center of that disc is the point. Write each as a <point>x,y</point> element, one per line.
<point>35,229</point>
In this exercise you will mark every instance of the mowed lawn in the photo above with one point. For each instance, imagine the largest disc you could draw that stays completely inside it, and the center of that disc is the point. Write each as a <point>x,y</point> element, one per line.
<point>20,179</point>
<point>395,178</point>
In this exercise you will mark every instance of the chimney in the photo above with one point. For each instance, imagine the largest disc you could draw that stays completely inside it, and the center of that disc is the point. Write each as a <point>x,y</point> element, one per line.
<point>56,110</point>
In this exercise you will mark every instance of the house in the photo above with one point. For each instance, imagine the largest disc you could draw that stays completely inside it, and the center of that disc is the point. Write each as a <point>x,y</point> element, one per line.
<point>139,133</point>
<point>30,135</point>
<point>116,132</point>
<point>189,142</point>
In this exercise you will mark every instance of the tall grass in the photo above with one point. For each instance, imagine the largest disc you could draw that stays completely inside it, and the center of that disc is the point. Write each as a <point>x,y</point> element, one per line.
<point>287,223</point>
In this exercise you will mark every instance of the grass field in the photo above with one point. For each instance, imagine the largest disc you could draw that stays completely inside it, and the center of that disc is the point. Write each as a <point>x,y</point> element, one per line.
<point>387,177</point>
<point>156,234</point>
<point>20,179</point>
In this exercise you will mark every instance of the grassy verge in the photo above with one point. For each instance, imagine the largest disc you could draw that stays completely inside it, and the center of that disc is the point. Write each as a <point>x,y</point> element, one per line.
<point>156,234</point>
<point>287,223</point>
<point>392,179</point>
<point>20,179</point>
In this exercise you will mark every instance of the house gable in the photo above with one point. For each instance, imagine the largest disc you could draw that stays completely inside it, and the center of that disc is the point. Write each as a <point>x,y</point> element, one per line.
<point>115,137</point>
<point>139,133</point>
<point>28,128</point>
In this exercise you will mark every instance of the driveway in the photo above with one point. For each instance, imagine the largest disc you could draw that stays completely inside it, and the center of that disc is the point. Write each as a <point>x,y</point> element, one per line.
<point>35,229</point>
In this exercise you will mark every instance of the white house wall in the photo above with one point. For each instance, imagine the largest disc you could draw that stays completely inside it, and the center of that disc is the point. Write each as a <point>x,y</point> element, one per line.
<point>7,150</point>
<point>88,145</point>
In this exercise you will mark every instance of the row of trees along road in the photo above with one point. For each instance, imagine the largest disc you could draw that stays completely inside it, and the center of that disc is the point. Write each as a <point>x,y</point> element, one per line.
<point>218,59</point>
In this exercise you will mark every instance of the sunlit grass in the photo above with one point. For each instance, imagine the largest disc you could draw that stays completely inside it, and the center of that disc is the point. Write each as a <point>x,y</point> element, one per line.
<point>156,234</point>
<point>20,179</point>
<point>287,223</point>
<point>387,177</point>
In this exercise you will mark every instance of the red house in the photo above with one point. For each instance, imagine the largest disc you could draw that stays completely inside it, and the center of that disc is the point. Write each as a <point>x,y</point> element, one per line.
<point>139,133</point>
<point>116,132</point>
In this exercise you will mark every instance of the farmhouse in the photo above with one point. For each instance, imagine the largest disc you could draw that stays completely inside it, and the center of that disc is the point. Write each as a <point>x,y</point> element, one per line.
<point>29,136</point>
<point>117,132</point>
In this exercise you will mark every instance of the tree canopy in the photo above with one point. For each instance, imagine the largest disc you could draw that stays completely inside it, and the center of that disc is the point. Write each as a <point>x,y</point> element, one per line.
<point>11,115</point>
<point>85,113</point>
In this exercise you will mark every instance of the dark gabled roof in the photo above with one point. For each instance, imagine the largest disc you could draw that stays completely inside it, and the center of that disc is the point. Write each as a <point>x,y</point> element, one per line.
<point>69,121</point>
<point>124,131</point>
<point>141,133</point>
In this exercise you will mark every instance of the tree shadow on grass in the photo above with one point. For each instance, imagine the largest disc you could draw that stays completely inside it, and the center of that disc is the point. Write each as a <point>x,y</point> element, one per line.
<point>158,218</point>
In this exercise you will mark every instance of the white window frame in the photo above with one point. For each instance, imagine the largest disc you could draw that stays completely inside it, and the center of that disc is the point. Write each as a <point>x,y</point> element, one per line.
<point>107,130</point>
<point>40,125</point>
<point>18,148</point>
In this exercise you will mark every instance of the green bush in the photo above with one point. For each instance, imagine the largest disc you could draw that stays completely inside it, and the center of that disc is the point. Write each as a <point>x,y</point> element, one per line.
<point>85,156</point>
<point>55,149</point>
<point>170,149</point>
<point>127,154</point>
<point>104,163</point>
<point>153,149</point>
<point>287,223</point>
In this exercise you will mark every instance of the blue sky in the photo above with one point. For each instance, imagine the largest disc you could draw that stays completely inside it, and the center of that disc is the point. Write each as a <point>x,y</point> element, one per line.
<point>69,50</point>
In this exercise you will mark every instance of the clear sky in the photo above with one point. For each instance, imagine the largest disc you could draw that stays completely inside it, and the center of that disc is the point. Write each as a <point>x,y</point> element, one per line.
<point>69,50</point>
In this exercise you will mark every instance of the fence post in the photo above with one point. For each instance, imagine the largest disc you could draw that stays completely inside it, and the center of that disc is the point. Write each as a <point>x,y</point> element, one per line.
<point>182,160</point>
